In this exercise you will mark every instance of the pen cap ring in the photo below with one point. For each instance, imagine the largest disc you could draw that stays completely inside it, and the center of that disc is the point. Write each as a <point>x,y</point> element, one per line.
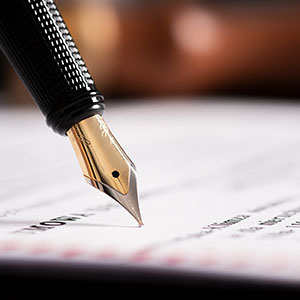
<point>87,105</point>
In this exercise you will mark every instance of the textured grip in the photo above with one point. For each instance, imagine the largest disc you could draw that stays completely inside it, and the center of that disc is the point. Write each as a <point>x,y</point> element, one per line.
<point>37,42</point>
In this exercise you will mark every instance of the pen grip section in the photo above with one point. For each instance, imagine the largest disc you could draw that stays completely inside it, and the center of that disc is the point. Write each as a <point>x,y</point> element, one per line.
<point>38,44</point>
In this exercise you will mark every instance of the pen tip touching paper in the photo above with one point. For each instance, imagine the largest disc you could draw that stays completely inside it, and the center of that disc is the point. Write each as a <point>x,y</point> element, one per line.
<point>104,163</point>
<point>129,201</point>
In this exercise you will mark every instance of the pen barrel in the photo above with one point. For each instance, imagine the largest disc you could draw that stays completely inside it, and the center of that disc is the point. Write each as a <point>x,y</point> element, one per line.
<point>38,44</point>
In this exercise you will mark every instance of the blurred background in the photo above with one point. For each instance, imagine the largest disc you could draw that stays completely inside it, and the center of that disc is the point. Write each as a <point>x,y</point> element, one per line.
<point>150,48</point>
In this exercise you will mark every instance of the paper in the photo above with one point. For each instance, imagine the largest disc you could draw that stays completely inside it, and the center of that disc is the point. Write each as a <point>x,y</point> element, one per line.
<point>218,184</point>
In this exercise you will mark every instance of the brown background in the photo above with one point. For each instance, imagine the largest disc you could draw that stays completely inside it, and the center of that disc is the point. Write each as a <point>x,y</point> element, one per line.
<point>182,48</point>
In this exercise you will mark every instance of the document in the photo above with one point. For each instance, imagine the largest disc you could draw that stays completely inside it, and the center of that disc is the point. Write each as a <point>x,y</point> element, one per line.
<point>218,182</point>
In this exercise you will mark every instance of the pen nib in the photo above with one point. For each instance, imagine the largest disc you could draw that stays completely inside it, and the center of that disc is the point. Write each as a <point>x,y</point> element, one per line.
<point>129,201</point>
<point>104,163</point>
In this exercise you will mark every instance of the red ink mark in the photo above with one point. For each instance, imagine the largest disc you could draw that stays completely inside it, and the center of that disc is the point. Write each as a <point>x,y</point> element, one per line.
<point>105,254</point>
<point>140,256</point>
<point>72,252</point>
<point>276,263</point>
<point>173,259</point>
<point>8,246</point>
<point>207,260</point>
<point>240,263</point>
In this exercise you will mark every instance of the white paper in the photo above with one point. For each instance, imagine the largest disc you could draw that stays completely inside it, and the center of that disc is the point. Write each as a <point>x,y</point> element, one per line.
<point>219,186</point>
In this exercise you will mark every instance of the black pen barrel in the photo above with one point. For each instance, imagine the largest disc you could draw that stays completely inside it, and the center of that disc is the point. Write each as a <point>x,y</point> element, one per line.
<point>38,44</point>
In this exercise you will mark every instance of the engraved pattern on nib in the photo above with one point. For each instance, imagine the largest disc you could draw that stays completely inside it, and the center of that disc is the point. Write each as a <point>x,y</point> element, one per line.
<point>104,163</point>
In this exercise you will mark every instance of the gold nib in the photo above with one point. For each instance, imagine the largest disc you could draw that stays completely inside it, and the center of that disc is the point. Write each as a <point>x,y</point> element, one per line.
<point>104,163</point>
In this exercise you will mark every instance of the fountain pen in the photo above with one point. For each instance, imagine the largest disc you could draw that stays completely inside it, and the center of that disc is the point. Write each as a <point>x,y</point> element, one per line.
<point>39,46</point>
